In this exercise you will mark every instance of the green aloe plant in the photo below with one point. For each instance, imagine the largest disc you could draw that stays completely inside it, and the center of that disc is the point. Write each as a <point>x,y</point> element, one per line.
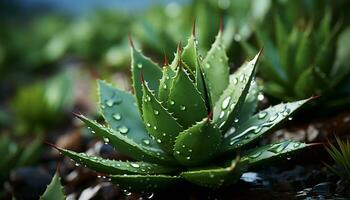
<point>188,121</point>
<point>305,58</point>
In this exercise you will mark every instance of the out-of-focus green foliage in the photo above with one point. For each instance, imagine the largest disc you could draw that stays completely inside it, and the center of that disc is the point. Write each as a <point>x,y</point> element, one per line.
<point>17,154</point>
<point>43,104</point>
<point>304,55</point>
<point>341,156</point>
<point>161,27</point>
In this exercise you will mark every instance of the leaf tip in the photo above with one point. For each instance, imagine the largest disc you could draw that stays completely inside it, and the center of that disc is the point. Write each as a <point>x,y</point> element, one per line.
<point>165,62</point>
<point>78,115</point>
<point>130,41</point>
<point>194,27</point>
<point>51,145</point>
<point>221,24</point>
<point>313,97</point>
<point>142,78</point>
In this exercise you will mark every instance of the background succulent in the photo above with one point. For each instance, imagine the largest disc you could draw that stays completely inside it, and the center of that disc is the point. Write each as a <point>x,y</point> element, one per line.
<point>340,153</point>
<point>190,120</point>
<point>304,58</point>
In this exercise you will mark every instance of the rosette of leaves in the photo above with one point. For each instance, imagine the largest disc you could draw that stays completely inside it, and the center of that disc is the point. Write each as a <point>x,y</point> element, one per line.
<point>188,121</point>
<point>305,59</point>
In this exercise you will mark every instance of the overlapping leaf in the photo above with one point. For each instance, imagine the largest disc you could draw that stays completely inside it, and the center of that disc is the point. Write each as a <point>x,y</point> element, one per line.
<point>116,167</point>
<point>159,122</point>
<point>185,101</point>
<point>230,102</point>
<point>139,151</point>
<point>260,124</point>
<point>198,143</point>
<point>215,65</point>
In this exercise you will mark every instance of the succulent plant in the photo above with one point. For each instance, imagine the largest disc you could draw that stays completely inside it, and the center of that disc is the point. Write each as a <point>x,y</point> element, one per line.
<point>341,156</point>
<point>303,59</point>
<point>188,121</point>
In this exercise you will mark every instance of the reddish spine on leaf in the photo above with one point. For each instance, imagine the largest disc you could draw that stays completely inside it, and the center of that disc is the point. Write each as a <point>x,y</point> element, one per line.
<point>142,79</point>
<point>130,41</point>
<point>210,115</point>
<point>221,24</point>
<point>166,62</point>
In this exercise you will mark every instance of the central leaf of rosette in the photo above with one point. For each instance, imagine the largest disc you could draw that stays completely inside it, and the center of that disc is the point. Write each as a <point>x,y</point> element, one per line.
<point>176,114</point>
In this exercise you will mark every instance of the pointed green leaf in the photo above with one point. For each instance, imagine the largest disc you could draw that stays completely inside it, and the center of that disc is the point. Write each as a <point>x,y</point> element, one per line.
<point>54,190</point>
<point>115,166</point>
<point>150,70</point>
<point>175,63</point>
<point>165,83</point>
<point>198,143</point>
<point>259,125</point>
<point>250,104</point>
<point>216,70</point>
<point>159,122</point>
<point>185,101</point>
<point>200,84</point>
<point>190,55</point>
<point>125,145</point>
<point>268,153</point>
<point>145,183</point>
<point>119,109</point>
<point>216,177</point>
<point>231,101</point>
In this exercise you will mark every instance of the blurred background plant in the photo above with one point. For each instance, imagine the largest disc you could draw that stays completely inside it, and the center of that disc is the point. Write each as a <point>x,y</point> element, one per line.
<point>306,51</point>
<point>340,153</point>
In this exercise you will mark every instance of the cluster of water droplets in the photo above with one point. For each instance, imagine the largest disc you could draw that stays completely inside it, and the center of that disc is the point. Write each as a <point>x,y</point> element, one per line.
<point>256,130</point>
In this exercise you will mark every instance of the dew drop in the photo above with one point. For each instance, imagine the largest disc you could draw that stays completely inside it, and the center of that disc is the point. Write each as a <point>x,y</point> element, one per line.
<point>260,97</point>
<point>236,120</point>
<point>109,102</point>
<point>172,102</point>
<point>123,129</point>
<point>235,81</point>
<point>156,112</point>
<point>117,116</point>
<point>146,142</point>
<point>222,114</point>
<point>182,107</point>
<point>159,141</point>
<point>188,157</point>
<point>262,115</point>
<point>148,125</point>
<point>177,152</point>
<point>255,155</point>
<point>230,132</point>
<point>225,103</point>
<point>242,78</point>
<point>135,165</point>
<point>297,144</point>
<point>207,65</point>
<point>273,117</point>
<point>139,65</point>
